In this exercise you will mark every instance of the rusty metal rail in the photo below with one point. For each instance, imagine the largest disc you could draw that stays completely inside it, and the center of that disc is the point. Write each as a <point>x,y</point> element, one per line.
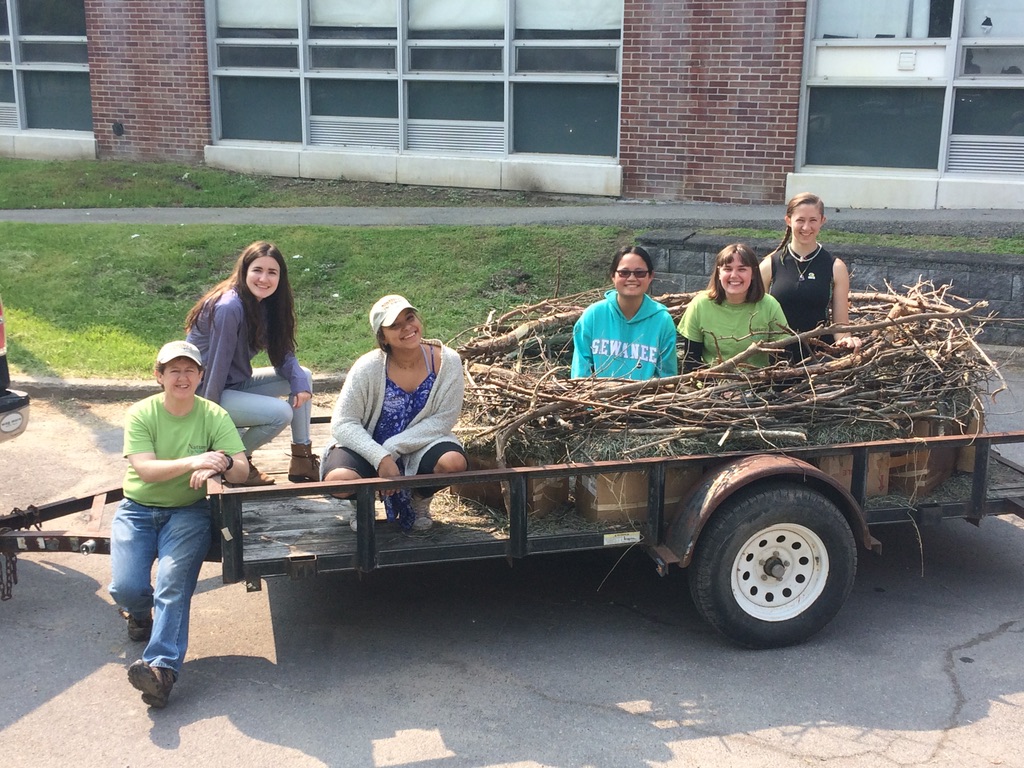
<point>21,531</point>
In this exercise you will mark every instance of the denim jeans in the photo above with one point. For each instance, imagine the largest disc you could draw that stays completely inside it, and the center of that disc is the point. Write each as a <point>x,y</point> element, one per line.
<point>259,412</point>
<point>177,538</point>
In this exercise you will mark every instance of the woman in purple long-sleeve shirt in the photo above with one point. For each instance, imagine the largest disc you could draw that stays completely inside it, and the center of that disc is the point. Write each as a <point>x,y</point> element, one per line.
<point>251,311</point>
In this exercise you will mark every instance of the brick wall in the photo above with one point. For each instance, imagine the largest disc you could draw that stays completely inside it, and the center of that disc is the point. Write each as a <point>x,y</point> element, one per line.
<point>710,94</point>
<point>148,72</point>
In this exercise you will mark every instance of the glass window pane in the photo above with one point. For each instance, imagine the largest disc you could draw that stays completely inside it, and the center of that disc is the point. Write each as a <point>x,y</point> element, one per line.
<point>566,119</point>
<point>353,33</point>
<point>345,13</point>
<point>257,14</point>
<point>52,17</point>
<point>57,100</point>
<point>455,59</point>
<point>266,56</point>
<point>262,34</point>
<point>874,127</point>
<point>995,18</point>
<point>5,28</point>
<point>354,98</point>
<point>457,19</point>
<point>71,53</point>
<point>566,60</point>
<point>569,15</point>
<point>5,51</point>
<point>260,108</point>
<point>352,58</point>
<point>993,61</point>
<point>989,112</point>
<point>7,86</point>
<point>884,18</point>
<point>456,101</point>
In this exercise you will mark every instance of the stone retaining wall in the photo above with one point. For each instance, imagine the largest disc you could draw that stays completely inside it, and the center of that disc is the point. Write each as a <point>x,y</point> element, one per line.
<point>683,262</point>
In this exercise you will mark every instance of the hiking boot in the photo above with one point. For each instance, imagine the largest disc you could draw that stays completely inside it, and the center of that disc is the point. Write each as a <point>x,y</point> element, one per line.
<point>305,465</point>
<point>139,629</point>
<point>422,509</point>
<point>256,477</point>
<point>154,682</point>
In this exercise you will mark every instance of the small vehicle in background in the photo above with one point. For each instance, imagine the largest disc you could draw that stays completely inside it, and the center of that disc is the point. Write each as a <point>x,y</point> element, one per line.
<point>13,404</point>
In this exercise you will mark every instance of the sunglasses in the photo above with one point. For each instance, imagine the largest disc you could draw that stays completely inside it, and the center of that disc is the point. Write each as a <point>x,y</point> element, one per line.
<point>637,273</point>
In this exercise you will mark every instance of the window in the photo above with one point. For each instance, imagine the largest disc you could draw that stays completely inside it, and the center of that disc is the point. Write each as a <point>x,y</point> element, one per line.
<point>566,119</point>
<point>989,112</point>
<point>881,19</point>
<point>44,70</point>
<point>874,127</point>
<point>993,19</point>
<point>260,108</point>
<point>445,76</point>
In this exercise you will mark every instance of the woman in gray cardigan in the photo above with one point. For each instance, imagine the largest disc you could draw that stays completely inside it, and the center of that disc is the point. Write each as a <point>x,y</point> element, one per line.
<point>396,413</point>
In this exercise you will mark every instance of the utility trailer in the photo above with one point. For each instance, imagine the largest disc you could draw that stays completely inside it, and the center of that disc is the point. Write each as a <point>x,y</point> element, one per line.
<point>770,538</point>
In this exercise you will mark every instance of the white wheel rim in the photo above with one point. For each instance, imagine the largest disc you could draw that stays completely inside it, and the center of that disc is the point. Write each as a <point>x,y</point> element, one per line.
<point>779,572</point>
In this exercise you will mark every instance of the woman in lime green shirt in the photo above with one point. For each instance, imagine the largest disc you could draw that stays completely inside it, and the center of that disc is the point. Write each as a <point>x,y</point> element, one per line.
<point>733,313</point>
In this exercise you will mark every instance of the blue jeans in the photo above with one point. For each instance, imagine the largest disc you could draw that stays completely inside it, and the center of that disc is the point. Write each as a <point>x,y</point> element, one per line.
<point>259,413</point>
<point>177,538</point>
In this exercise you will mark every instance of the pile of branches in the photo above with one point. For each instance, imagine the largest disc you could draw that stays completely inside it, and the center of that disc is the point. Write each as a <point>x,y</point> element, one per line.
<point>919,360</point>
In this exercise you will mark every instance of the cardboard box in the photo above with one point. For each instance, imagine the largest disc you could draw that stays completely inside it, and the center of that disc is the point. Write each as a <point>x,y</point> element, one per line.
<point>840,468</point>
<point>620,497</point>
<point>543,495</point>
<point>965,455</point>
<point>918,473</point>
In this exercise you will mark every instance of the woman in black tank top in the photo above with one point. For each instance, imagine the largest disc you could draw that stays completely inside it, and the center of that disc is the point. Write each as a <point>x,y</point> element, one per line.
<point>812,286</point>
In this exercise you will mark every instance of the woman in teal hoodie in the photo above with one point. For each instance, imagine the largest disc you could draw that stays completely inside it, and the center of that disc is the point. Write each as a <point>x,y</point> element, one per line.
<point>628,335</point>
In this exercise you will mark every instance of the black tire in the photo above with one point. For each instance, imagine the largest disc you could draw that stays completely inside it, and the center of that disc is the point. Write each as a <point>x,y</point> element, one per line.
<point>807,541</point>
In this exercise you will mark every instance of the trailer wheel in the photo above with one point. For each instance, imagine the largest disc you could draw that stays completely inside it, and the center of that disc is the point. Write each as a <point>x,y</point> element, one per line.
<point>773,565</point>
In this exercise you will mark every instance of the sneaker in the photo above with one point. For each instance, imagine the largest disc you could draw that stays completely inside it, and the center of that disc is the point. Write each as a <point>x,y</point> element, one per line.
<point>139,629</point>
<point>154,682</point>
<point>346,510</point>
<point>422,509</point>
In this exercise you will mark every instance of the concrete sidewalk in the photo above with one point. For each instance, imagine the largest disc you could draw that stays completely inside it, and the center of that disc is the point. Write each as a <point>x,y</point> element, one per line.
<point>600,211</point>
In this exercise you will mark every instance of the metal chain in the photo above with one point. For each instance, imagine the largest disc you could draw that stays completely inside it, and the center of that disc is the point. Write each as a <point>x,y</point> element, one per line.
<point>10,575</point>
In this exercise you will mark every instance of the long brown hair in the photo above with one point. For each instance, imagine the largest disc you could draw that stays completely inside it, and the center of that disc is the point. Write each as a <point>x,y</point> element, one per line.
<point>716,291</point>
<point>803,198</point>
<point>277,333</point>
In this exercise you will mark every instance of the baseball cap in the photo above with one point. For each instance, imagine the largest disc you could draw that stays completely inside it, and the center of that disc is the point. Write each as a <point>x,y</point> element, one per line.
<point>173,349</point>
<point>387,309</point>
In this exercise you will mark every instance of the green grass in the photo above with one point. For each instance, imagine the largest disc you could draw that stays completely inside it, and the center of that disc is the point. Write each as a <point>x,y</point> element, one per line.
<point>120,184</point>
<point>98,300</point>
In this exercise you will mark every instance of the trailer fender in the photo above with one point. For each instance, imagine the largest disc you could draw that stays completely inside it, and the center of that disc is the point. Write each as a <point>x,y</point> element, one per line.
<point>726,480</point>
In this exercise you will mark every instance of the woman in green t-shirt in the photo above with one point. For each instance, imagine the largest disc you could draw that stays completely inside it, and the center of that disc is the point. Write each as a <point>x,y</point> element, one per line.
<point>174,442</point>
<point>733,313</point>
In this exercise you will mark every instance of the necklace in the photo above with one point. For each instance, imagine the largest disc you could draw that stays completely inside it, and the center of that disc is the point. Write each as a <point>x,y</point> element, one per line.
<point>805,260</point>
<point>410,367</point>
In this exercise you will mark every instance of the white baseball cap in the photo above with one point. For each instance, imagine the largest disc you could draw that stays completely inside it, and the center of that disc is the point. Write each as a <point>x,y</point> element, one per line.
<point>173,349</point>
<point>387,309</point>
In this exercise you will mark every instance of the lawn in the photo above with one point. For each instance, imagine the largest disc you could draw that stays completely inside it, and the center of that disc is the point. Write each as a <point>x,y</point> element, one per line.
<point>97,300</point>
